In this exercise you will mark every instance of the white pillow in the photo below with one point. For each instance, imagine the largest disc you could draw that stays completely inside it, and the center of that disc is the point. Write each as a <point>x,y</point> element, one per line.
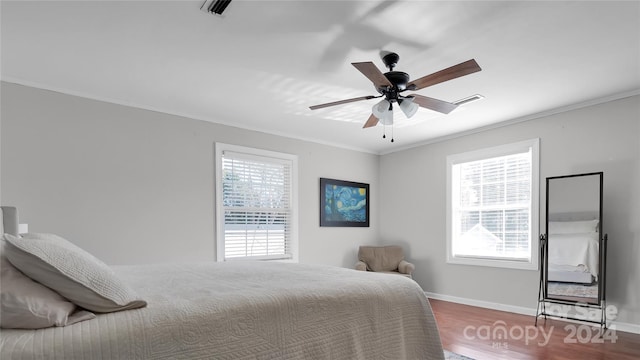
<point>573,227</point>
<point>29,305</point>
<point>71,271</point>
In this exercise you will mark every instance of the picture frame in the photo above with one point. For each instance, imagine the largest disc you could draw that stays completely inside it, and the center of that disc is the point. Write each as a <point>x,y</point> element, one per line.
<point>344,203</point>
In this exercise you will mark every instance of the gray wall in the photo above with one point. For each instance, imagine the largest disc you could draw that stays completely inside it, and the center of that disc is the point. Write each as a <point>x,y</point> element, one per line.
<point>603,137</point>
<point>135,186</point>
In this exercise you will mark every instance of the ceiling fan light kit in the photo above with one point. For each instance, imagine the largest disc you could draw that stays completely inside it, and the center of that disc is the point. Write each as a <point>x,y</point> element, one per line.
<point>386,115</point>
<point>380,109</point>
<point>391,84</point>
<point>408,107</point>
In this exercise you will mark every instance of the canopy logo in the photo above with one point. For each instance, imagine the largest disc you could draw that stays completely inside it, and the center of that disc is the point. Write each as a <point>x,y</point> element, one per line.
<point>499,333</point>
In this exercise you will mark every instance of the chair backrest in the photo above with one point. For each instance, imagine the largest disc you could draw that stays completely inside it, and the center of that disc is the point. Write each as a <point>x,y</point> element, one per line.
<point>381,258</point>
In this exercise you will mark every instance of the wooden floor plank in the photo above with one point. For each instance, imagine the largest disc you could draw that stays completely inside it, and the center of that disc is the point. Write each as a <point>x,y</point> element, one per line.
<point>475,332</point>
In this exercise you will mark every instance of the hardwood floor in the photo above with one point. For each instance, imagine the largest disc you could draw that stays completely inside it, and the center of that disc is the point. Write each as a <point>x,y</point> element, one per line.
<point>490,334</point>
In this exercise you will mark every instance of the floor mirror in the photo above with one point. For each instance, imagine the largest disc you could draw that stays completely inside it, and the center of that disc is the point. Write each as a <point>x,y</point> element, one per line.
<point>573,249</point>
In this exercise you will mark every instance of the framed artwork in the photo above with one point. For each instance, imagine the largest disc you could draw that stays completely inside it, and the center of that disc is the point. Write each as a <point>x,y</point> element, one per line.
<point>344,203</point>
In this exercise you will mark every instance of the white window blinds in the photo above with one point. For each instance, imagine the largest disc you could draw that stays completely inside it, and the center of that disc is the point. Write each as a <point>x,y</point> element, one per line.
<point>492,205</point>
<point>256,206</point>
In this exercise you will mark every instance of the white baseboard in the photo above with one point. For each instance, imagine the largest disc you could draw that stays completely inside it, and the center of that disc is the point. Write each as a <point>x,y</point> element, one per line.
<point>620,326</point>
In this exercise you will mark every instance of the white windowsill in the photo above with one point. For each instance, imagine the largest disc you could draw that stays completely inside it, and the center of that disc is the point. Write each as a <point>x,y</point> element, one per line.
<point>509,264</point>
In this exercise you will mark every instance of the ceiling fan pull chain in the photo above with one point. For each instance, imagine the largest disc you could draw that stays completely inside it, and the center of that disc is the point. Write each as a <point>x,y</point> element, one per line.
<point>391,132</point>
<point>384,131</point>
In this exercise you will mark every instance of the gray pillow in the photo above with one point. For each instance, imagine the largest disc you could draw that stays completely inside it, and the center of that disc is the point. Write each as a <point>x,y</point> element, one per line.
<point>27,304</point>
<point>72,272</point>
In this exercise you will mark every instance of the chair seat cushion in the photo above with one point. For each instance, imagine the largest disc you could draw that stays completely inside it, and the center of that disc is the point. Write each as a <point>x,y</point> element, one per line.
<point>394,273</point>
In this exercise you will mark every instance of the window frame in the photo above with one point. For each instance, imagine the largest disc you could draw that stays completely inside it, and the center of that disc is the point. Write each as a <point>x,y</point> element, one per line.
<point>484,154</point>
<point>220,148</point>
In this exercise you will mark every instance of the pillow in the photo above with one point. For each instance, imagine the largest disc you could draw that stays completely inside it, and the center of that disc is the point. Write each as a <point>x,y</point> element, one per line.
<point>71,271</point>
<point>573,227</point>
<point>26,304</point>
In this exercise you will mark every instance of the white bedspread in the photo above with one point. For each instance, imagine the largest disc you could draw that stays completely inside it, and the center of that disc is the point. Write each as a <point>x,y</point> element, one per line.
<point>247,310</point>
<point>577,250</point>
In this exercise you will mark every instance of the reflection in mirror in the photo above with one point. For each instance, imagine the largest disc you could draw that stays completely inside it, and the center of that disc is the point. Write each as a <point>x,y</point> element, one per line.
<point>574,225</point>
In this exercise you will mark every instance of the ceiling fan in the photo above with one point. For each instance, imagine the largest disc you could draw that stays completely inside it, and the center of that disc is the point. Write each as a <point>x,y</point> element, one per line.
<point>391,84</point>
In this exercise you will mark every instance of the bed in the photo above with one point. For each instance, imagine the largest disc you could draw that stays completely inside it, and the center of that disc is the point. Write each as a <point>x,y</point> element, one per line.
<point>246,310</point>
<point>573,250</point>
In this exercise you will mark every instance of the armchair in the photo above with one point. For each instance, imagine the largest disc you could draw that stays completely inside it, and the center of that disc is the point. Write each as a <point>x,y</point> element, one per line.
<point>384,259</point>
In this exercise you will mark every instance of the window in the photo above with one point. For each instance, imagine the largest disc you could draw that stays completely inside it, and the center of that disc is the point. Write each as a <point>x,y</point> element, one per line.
<point>492,206</point>
<point>256,204</point>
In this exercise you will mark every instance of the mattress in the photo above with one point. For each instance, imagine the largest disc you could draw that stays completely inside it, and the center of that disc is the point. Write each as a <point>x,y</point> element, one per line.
<point>248,310</point>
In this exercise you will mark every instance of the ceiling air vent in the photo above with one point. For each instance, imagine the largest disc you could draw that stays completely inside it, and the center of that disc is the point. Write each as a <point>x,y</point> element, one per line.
<point>215,6</point>
<point>469,99</point>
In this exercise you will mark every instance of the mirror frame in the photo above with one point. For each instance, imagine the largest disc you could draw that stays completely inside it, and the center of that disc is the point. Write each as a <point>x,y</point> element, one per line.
<point>601,243</point>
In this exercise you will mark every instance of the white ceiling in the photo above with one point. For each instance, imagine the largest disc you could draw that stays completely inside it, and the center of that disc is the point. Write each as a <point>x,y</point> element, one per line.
<point>263,63</point>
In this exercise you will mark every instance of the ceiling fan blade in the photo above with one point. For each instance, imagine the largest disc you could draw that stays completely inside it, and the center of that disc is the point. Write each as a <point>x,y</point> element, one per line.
<point>455,71</point>
<point>434,104</point>
<point>314,107</point>
<point>371,71</point>
<point>373,121</point>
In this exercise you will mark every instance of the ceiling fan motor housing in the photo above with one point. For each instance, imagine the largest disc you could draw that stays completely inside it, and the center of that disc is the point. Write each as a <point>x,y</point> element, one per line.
<point>399,80</point>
